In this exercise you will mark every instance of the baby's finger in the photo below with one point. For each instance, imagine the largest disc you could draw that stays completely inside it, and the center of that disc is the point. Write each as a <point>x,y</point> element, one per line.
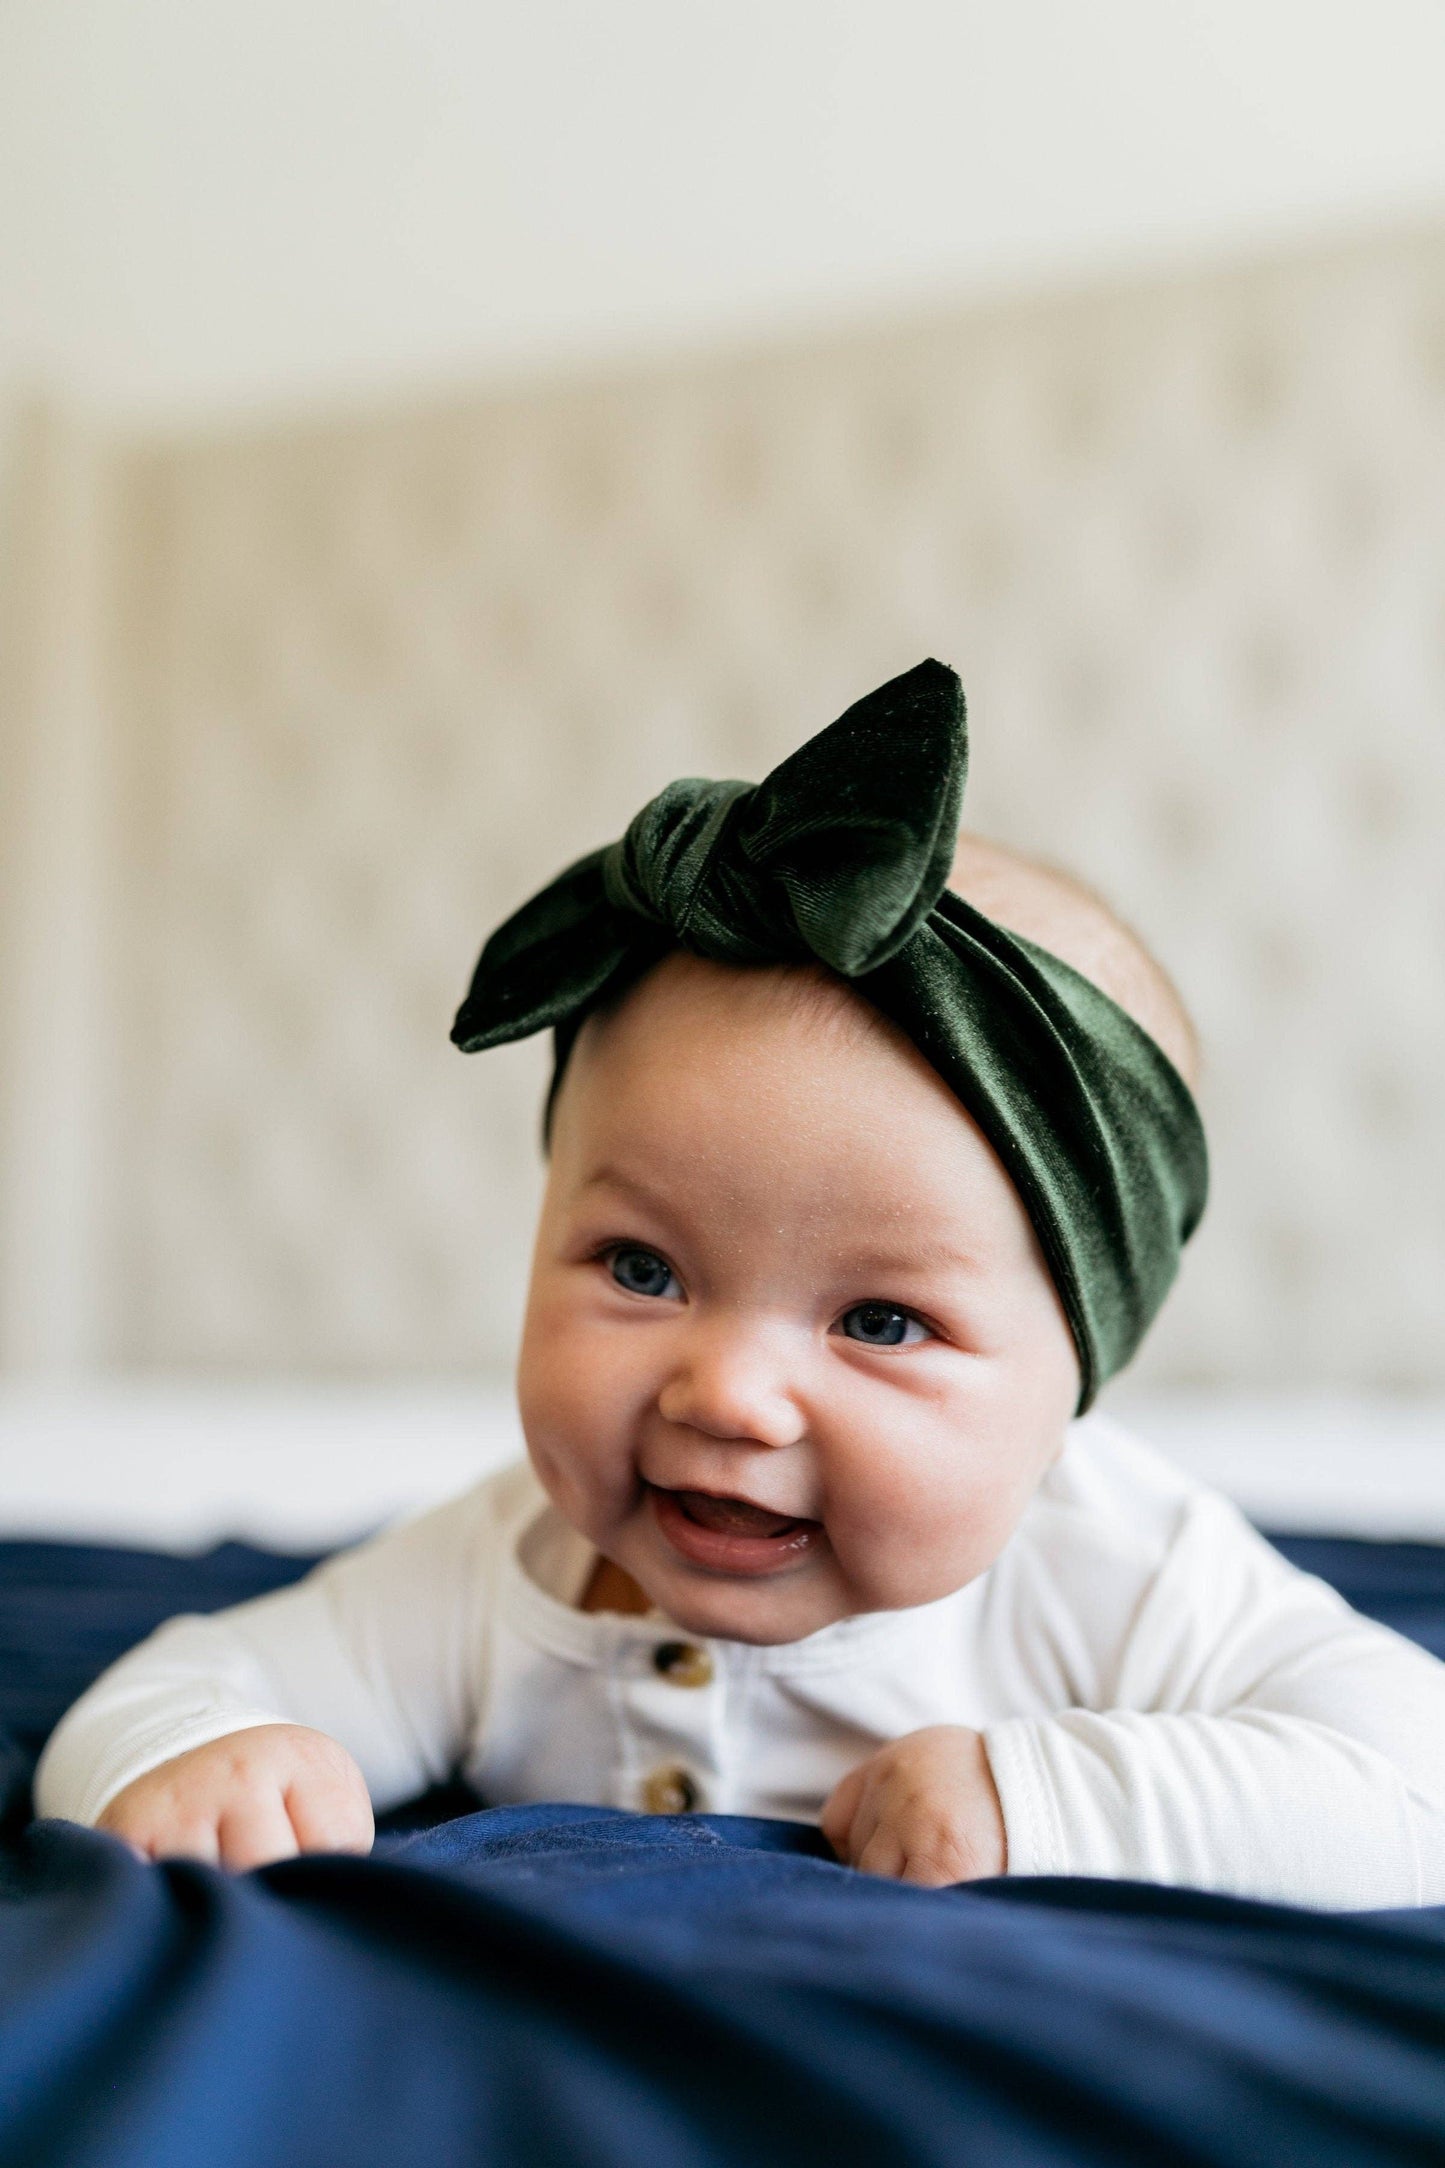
<point>255,1830</point>
<point>867,1816</point>
<point>330,1812</point>
<point>936,1866</point>
<point>185,1840</point>
<point>882,1854</point>
<point>836,1819</point>
<point>861,1830</point>
<point>121,1830</point>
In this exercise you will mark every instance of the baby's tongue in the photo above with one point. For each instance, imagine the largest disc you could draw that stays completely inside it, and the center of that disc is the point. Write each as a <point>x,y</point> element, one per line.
<point>732,1516</point>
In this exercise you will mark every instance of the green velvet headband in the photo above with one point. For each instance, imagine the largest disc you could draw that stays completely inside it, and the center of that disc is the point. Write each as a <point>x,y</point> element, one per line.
<point>840,857</point>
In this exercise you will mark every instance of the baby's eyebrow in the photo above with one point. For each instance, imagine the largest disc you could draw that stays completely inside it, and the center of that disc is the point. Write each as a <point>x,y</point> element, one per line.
<point>608,1176</point>
<point>926,1256</point>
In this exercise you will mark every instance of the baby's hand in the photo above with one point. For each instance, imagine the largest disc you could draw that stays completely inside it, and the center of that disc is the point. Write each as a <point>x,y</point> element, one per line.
<point>250,1797</point>
<point>924,1809</point>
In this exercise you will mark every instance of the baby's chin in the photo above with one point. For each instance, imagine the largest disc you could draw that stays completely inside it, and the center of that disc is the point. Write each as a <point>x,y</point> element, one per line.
<point>734,1611</point>
<point>774,1617</point>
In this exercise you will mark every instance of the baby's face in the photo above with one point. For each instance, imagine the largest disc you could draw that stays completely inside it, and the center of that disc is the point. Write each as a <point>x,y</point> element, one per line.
<point>791,1350</point>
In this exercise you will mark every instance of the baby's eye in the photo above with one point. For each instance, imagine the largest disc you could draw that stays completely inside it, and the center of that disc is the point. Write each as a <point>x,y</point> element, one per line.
<point>642,1272</point>
<point>881,1324</point>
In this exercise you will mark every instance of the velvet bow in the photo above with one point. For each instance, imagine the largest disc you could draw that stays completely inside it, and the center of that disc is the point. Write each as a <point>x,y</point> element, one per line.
<point>841,857</point>
<point>838,855</point>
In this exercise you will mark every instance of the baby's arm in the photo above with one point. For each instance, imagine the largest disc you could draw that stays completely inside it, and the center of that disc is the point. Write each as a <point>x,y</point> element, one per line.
<point>263,1729</point>
<point>1260,1738</point>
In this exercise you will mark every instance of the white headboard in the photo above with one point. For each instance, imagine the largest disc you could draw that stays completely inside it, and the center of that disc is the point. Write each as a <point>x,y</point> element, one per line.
<point>358,684</point>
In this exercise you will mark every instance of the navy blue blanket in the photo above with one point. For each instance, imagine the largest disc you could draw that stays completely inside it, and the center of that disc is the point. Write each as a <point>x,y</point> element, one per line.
<point>559,1985</point>
<point>555,1987</point>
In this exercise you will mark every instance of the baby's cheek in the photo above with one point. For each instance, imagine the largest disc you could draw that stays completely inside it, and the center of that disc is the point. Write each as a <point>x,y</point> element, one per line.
<point>577,1416</point>
<point>913,1527</point>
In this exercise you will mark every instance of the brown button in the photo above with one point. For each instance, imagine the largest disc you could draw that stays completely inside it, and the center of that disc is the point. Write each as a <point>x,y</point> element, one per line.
<point>670,1791</point>
<point>683,1663</point>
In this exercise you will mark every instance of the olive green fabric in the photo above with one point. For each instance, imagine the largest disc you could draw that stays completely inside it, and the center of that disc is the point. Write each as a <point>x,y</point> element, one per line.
<point>841,857</point>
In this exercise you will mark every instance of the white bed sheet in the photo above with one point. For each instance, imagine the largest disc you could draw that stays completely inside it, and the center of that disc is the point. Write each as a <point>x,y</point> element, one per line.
<point>181,1465</point>
<point>1308,1464</point>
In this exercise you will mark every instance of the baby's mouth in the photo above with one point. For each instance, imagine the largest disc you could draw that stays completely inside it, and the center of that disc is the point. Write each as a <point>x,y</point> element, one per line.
<point>732,1516</point>
<point>730,1535</point>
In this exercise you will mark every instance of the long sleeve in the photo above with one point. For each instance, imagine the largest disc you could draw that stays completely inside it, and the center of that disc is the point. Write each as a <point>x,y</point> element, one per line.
<point>1250,1733</point>
<point>384,1648</point>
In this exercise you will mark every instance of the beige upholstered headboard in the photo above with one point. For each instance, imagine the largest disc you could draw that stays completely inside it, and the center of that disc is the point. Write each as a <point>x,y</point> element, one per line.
<point>361,683</point>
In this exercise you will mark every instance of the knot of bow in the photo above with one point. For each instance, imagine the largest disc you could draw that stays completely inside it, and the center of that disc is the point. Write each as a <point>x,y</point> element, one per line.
<point>838,855</point>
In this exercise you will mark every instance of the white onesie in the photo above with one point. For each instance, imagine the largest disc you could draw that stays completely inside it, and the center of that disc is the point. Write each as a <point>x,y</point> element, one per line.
<point>1162,1697</point>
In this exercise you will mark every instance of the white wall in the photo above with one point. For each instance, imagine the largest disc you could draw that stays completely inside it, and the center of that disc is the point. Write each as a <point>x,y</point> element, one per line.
<point>204,205</point>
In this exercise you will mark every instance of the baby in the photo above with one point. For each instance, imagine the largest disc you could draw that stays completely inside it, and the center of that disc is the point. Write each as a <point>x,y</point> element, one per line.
<point>859,1187</point>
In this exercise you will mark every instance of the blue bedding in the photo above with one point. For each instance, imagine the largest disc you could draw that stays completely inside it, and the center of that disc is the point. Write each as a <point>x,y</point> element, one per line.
<point>567,1985</point>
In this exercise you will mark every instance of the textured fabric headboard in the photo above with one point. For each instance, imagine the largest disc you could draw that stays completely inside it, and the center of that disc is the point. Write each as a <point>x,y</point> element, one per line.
<point>367,681</point>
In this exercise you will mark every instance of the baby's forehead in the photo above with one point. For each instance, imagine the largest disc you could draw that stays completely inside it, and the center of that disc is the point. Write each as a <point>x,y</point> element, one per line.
<point>780,1067</point>
<point>799,1005</point>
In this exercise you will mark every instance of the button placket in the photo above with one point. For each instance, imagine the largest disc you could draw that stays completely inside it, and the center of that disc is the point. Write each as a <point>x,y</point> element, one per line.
<point>671,1689</point>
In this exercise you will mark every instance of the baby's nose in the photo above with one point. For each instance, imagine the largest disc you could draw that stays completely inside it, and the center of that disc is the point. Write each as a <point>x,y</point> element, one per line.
<point>732,1383</point>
